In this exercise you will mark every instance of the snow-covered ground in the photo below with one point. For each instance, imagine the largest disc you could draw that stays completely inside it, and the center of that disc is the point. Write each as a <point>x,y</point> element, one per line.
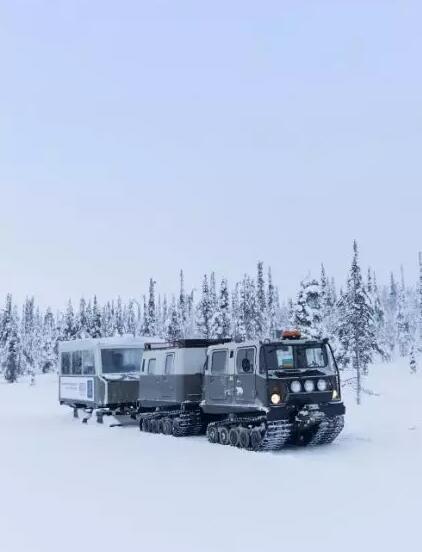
<point>65,486</point>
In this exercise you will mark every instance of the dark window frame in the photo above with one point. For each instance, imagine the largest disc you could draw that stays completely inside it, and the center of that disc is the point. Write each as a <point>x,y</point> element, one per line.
<point>91,353</point>
<point>77,366</point>
<point>68,372</point>
<point>173,357</point>
<point>239,369</point>
<point>154,360</point>
<point>214,353</point>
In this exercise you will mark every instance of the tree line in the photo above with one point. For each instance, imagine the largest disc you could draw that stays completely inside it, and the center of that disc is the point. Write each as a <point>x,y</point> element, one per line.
<point>364,321</point>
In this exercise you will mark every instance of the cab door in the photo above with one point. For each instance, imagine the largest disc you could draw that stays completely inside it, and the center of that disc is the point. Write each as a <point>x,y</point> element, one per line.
<point>245,368</point>
<point>218,387</point>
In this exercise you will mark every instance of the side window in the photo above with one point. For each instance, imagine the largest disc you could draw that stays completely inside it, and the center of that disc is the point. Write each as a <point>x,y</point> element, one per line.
<point>169,367</point>
<point>219,362</point>
<point>66,363</point>
<point>151,365</point>
<point>77,363</point>
<point>245,361</point>
<point>88,363</point>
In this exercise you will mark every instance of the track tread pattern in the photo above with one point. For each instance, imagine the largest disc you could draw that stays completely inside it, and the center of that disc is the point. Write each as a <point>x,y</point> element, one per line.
<point>275,434</point>
<point>184,423</point>
<point>329,429</point>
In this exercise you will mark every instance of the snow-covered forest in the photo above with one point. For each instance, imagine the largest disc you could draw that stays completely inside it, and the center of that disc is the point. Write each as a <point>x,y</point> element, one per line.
<point>365,321</point>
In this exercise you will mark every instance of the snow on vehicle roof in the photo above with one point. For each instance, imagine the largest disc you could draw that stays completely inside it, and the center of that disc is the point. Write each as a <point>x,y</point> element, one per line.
<point>107,342</point>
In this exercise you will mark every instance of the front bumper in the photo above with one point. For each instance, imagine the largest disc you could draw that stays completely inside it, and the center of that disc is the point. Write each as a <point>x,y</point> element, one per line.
<point>290,411</point>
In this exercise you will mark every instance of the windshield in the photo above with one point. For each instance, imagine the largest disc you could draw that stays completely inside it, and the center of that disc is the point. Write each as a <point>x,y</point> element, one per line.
<point>118,361</point>
<point>299,357</point>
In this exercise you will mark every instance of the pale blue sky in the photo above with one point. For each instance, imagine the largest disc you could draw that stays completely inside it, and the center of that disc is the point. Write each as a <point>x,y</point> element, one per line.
<point>140,137</point>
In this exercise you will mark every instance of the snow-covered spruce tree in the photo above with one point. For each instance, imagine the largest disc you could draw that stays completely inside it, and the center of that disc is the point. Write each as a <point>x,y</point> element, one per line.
<point>69,330</point>
<point>221,320</point>
<point>235,312</point>
<point>390,309</point>
<point>48,356</point>
<point>356,329</point>
<point>28,339</point>
<point>213,293</point>
<point>9,342</point>
<point>164,319</point>
<point>205,311</point>
<point>149,327</point>
<point>271,306</point>
<point>307,309</point>
<point>403,336</point>
<point>412,360</point>
<point>82,321</point>
<point>107,320</point>
<point>151,308</point>
<point>328,308</point>
<point>95,323</point>
<point>130,321</point>
<point>248,309</point>
<point>261,303</point>
<point>190,329</point>
<point>182,306</point>
<point>174,327</point>
<point>118,323</point>
<point>379,320</point>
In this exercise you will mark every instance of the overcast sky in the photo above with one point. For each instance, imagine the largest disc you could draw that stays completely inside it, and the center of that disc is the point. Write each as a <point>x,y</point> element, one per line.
<point>138,138</point>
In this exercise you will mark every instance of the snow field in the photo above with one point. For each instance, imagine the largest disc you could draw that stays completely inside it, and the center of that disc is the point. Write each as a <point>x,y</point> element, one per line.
<point>66,486</point>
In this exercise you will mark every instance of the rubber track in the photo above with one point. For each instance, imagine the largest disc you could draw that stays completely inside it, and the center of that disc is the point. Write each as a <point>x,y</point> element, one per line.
<point>277,433</point>
<point>328,430</point>
<point>188,423</point>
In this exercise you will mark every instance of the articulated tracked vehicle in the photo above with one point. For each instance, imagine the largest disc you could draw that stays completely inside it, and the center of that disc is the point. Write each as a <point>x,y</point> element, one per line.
<point>259,395</point>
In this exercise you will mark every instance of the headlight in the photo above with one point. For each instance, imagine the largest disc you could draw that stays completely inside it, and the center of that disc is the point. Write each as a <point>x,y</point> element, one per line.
<point>322,385</point>
<point>275,398</point>
<point>295,386</point>
<point>309,386</point>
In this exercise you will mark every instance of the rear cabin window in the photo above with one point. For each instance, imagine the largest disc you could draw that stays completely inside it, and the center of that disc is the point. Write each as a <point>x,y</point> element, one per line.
<point>245,360</point>
<point>218,363</point>
<point>151,365</point>
<point>121,361</point>
<point>88,363</point>
<point>77,363</point>
<point>169,366</point>
<point>66,363</point>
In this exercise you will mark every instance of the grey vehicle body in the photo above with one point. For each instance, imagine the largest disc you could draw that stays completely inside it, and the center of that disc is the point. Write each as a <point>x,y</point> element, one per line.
<point>243,378</point>
<point>100,373</point>
<point>172,374</point>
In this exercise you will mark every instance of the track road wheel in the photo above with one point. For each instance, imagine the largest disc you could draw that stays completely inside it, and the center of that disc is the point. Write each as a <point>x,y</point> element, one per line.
<point>212,434</point>
<point>167,425</point>
<point>223,435</point>
<point>244,438</point>
<point>234,436</point>
<point>256,438</point>
<point>153,426</point>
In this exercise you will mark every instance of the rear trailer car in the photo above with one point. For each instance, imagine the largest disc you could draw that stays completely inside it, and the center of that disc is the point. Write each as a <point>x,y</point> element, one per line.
<point>101,375</point>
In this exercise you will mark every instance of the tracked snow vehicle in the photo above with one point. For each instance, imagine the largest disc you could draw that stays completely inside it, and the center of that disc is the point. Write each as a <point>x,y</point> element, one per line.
<point>101,375</point>
<point>266,395</point>
<point>259,395</point>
